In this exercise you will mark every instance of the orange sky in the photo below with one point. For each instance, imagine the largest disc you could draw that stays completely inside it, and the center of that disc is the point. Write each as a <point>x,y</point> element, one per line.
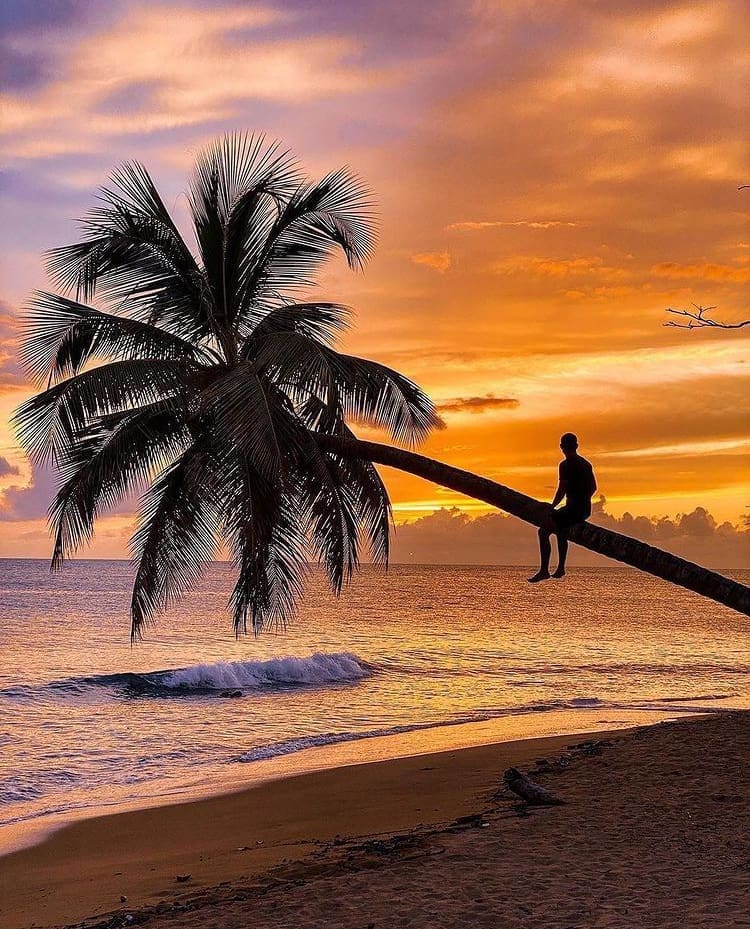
<point>550,176</point>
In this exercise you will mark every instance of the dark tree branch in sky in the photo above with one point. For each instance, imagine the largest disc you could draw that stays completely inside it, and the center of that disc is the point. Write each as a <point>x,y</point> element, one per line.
<point>697,319</point>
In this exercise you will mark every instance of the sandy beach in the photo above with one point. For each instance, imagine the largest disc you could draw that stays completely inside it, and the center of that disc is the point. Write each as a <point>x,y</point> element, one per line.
<point>654,833</point>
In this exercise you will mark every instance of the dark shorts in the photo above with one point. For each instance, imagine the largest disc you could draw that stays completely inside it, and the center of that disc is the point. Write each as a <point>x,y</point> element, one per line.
<point>566,517</point>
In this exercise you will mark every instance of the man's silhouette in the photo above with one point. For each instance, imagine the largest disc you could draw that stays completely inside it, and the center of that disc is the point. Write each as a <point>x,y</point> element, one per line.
<point>577,484</point>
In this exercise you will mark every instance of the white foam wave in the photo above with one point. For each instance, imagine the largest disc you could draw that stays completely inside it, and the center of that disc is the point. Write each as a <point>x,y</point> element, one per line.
<point>290,746</point>
<point>300,743</point>
<point>319,668</point>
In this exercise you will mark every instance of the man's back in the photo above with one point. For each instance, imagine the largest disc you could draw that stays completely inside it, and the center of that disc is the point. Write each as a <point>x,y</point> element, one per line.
<point>578,475</point>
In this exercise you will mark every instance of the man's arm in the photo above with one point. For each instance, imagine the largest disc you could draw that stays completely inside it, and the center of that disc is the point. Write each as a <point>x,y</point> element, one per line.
<point>561,489</point>
<point>593,483</point>
<point>559,494</point>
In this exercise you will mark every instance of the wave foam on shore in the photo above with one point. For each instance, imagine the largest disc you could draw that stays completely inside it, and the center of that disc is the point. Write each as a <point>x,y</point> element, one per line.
<point>313,670</point>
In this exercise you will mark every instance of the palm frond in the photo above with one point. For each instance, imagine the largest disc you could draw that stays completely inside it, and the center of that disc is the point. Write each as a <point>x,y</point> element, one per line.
<point>235,164</point>
<point>59,336</point>
<point>361,480</point>
<point>246,418</point>
<point>238,184</point>
<point>180,521</point>
<point>370,501</point>
<point>103,465</point>
<point>244,235</point>
<point>364,390</point>
<point>330,513</point>
<point>298,366</point>
<point>335,212</point>
<point>48,422</point>
<point>315,222</point>
<point>268,538</point>
<point>133,255</point>
<point>376,395</point>
<point>321,322</point>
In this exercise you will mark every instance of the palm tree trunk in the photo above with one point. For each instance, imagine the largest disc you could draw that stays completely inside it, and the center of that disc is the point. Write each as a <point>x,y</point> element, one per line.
<point>603,541</point>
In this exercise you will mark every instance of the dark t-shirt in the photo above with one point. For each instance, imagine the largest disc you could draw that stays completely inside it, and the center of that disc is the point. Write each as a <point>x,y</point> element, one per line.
<point>579,485</point>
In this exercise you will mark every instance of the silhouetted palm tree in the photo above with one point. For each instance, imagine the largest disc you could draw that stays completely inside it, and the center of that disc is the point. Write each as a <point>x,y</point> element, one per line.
<point>214,380</point>
<point>227,400</point>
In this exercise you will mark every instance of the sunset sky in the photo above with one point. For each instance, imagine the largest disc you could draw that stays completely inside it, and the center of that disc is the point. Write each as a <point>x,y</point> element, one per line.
<point>550,177</point>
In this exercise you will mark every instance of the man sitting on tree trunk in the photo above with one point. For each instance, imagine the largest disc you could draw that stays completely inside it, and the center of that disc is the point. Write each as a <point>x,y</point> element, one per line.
<point>577,485</point>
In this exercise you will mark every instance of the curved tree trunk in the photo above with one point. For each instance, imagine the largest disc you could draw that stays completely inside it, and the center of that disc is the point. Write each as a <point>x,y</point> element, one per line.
<point>603,541</point>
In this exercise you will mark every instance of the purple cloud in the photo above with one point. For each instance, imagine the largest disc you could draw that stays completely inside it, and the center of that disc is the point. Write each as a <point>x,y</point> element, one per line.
<point>6,467</point>
<point>32,502</point>
<point>11,373</point>
<point>136,97</point>
<point>20,16</point>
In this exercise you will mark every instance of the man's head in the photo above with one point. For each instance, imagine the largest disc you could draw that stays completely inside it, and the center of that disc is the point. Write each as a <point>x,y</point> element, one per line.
<point>569,443</point>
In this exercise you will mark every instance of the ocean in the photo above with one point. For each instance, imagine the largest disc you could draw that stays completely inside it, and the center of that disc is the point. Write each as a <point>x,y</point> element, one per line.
<point>416,659</point>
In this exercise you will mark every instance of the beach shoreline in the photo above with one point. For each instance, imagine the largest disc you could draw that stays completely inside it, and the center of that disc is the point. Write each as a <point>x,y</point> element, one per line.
<point>82,869</point>
<point>225,779</point>
<point>297,826</point>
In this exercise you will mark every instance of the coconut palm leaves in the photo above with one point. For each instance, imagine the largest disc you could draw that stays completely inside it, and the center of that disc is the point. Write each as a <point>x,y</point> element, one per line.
<point>201,382</point>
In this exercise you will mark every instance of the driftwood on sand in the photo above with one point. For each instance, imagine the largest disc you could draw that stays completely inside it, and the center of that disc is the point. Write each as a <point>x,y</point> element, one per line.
<point>528,790</point>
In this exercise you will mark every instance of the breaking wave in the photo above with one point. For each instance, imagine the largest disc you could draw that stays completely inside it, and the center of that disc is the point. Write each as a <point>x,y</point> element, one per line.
<point>315,670</point>
<point>319,668</point>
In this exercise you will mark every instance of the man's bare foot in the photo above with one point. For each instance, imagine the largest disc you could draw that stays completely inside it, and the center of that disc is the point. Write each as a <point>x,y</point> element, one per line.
<point>559,573</point>
<point>539,576</point>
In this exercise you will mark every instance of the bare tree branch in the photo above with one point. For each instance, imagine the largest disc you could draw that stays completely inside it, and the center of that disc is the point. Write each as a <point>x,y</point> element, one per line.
<point>697,319</point>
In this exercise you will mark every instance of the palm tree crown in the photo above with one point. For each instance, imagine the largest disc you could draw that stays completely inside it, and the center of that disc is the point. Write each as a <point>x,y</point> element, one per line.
<point>204,383</point>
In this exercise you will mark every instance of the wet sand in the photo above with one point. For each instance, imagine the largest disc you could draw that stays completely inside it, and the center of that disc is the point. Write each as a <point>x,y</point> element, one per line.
<point>655,832</point>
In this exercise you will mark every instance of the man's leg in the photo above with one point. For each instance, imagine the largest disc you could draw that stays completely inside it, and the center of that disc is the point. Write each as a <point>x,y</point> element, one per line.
<point>562,548</point>
<point>545,551</point>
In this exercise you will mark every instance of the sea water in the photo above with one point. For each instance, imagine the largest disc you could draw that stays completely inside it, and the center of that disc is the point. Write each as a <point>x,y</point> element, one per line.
<point>415,659</point>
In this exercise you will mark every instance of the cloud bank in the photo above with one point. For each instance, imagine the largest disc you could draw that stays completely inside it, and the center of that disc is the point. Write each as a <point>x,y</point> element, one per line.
<point>449,536</point>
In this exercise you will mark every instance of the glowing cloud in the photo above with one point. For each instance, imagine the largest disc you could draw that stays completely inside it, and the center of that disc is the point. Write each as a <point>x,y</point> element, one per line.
<point>438,261</point>
<point>477,404</point>
<point>705,272</point>
<point>478,225</point>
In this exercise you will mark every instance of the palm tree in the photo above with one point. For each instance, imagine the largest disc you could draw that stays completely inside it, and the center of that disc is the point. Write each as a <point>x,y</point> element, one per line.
<point>214,382</point>
<point>207,385</point>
